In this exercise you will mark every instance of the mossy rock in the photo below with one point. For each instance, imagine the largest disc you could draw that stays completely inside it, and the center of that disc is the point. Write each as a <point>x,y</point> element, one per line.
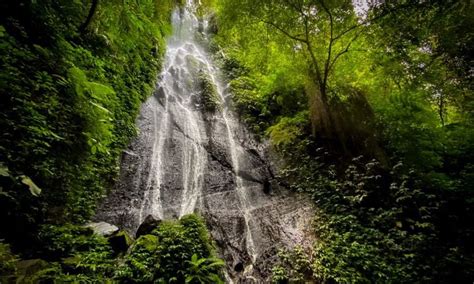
<point>120,241</point>
<point>209,96</point>
<point>28,268</point>
<point>146,242</point>
<point>147,226</point>
<point>192,63</point>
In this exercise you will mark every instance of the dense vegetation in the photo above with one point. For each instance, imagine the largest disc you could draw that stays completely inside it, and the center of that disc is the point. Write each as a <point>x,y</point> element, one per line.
<point>374,114</point>
<point>173,252</point>
<point>70,95</point>
<point>73,76</point>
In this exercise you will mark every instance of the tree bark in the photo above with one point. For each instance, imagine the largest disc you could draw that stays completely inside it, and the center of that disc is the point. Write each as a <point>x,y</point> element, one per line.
<point>92,11</point>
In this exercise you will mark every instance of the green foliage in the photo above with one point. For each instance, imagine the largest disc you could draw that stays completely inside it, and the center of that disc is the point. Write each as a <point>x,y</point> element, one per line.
<point>293,266</point>
<point>203,270</point>
<point>67,240</point>
<point>178,242</point>
<point>208,93</point>
<point>141,264</point>
<point>377,221</point>
<point>176,252</point>
<point>375,225</point>
<point>289,130</point>
<point>7,260</point>
<point>70,100</point>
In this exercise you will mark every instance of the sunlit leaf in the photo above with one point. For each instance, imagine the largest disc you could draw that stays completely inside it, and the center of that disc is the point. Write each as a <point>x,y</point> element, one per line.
<point>34,189</point>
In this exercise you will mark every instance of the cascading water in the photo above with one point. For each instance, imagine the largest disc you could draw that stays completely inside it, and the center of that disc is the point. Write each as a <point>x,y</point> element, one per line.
<point>188,159</point>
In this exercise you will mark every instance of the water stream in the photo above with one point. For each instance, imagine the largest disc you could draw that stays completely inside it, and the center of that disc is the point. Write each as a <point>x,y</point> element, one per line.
<point>188,159</point>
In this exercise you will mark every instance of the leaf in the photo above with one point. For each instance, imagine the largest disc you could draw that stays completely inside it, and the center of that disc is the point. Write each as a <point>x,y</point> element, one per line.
<point>100,107</point>
<point>4,172</point>
<point>34,189</point>
<point>217,263</point>
<point>199,261</point>
<point>99,91</point>
<point>5,194</point>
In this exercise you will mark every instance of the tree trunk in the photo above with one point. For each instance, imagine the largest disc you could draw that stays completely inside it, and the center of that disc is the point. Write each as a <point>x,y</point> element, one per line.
<point>92,11</point>
<point>320,113</point>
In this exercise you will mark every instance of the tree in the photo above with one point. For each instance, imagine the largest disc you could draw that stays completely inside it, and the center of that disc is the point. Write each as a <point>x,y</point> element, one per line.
<point>323,30</point>
<point>92,11</point>
<point>432,42</point>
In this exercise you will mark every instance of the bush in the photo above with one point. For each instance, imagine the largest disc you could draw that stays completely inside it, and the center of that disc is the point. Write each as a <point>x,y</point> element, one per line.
<point>379,225</point>
<point>176,252</point>
<point>57,242</point>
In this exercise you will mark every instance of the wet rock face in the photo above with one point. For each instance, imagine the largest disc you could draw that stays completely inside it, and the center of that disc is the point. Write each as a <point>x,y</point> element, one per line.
<point>187,159</point>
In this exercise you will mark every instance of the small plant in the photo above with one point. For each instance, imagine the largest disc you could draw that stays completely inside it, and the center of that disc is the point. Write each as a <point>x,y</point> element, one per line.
<point>204,270</point>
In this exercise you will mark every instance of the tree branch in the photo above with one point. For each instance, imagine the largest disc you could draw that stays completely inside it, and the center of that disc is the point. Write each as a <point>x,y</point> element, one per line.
<point>283,31</point>
<point>345,50</point>
<point>327,64</point>
<point>371,20</point>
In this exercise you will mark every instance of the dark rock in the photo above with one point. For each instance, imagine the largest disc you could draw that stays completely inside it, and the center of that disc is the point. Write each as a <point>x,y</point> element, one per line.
<point>120,241</point>
<point>254,152</point>
<point>267,187</point>
<point>248,176</point>
<point>147,226</point>
<point>239,267</point>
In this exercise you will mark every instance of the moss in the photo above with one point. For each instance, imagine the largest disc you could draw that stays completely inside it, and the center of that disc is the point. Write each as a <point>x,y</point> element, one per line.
<point>209,97</point>
<point>193,64</point>
<point>147,242</point>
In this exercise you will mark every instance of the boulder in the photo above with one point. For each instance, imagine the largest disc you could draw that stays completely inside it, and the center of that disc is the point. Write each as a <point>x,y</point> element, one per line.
<point>120,241</point>
<point>103,228</point>
<point>27,268</point>
<point>147,226</point>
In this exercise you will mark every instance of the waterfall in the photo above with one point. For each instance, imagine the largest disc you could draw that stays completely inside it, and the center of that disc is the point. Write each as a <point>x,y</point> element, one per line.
<point>189,159</point>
